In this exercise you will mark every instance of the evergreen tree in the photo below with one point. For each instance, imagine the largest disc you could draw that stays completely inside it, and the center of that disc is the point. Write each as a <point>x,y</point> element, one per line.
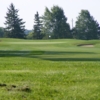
<point>37,27</point>
<point>14,25</point>
<point>55,23</point>
<point>86,27</point>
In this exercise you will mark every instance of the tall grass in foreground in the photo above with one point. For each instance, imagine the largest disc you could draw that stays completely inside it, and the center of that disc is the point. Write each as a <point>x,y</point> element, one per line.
<point>49,70</point>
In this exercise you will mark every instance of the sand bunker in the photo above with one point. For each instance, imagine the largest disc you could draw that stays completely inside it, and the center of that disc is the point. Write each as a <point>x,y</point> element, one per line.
<point>86,45</point>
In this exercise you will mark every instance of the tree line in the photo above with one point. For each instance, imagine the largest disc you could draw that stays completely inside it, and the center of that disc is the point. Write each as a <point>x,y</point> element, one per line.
<point>52,25</point>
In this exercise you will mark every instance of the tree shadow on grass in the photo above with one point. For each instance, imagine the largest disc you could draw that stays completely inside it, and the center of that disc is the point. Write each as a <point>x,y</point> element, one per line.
<point>72,59</point>
<point>8,53</point>
<point>47,55</point>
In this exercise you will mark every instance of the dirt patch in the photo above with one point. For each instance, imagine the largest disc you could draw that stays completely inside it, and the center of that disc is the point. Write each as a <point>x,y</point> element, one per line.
<point>86,45</point>
<point>2,85</point>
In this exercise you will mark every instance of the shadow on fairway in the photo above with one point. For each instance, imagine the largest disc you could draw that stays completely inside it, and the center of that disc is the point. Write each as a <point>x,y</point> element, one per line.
<point>47,55</point>
<point>72,59</point>
<point>8,53</point>
<point>63,52</point>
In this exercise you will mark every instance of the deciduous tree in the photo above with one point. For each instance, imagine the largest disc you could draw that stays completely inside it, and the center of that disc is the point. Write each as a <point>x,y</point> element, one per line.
<point>86,27</point>
<point>55,23</point>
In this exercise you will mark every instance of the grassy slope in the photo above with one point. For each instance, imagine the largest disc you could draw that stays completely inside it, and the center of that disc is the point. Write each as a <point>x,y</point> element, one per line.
<point>49,70</point>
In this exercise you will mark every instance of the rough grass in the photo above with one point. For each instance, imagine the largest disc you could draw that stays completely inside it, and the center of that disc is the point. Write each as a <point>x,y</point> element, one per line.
<point>49,70</point>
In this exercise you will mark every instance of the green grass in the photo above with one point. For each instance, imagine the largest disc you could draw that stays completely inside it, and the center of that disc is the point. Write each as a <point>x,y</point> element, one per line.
<point>49,70</point>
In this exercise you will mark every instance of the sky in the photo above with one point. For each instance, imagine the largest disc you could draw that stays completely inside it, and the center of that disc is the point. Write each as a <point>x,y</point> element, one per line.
<point>28,8</point>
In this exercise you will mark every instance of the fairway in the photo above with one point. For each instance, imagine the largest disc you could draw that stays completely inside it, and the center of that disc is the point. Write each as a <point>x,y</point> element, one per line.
<point>59,69</point>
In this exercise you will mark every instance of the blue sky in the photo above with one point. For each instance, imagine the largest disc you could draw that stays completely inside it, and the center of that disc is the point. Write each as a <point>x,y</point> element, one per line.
<point>27,9</point>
